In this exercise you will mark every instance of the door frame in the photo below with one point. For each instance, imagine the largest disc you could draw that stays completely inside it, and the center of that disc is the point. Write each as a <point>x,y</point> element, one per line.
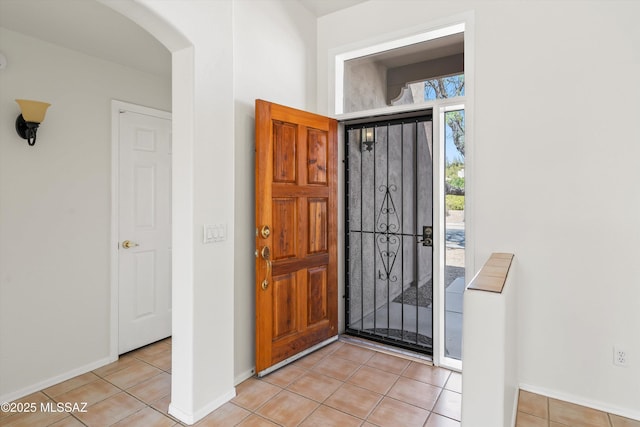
<point>463,22</point>
<point>438,108</point>
<point>116,108</point>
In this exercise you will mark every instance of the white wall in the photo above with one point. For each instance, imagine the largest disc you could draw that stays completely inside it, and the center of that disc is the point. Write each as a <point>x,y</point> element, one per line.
<point>203,176</point>
<point>556,175</point>
<point>241,51</point>
<point>55,209</point>
<point>274,60</point>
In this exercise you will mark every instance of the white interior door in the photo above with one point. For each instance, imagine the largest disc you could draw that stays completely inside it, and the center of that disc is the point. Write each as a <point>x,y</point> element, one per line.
<point>144,229</point>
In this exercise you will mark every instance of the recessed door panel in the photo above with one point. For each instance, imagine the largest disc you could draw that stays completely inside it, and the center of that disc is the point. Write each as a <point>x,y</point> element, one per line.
<point>284,305</point>
<point>317,295</point>
<point>317,157</point>
<point>144,182</point>
<point>144,283</point>
<point>318,226</point>
<point>145,139</point>
<point>285,149</point>
<point>285,213</point>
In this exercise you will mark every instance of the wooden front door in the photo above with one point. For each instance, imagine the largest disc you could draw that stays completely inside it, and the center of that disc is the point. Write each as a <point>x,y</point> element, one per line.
<point>296,238</point>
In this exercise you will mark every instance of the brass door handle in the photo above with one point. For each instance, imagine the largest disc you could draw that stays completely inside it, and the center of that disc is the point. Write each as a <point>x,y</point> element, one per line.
<point>129,244</point>
<point>266,255</point>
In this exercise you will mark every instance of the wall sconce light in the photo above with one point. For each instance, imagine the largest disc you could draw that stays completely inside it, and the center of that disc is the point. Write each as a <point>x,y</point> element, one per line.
<point>367,139</point>
<point>32,115</point>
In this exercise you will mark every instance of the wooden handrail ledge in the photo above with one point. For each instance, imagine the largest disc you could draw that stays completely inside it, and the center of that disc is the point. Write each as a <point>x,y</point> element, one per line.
<point>493,275</point>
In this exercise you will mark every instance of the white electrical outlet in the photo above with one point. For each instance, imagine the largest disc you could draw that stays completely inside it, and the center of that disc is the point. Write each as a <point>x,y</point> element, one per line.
<point>620,357</point>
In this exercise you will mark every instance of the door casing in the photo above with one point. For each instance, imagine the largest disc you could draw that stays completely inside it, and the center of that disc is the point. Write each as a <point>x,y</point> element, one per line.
<point>463,22</point>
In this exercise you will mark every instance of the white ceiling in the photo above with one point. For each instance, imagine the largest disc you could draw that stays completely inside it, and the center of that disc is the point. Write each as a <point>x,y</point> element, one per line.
<point>325,7</point>
<point>92,28</point>
<point>88,27</point>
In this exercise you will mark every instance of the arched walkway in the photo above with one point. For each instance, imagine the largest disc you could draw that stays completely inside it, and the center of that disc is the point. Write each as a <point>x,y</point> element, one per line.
<point>182,388</point>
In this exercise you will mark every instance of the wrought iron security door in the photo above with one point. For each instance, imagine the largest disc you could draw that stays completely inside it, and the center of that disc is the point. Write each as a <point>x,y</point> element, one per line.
<point>389,180</point>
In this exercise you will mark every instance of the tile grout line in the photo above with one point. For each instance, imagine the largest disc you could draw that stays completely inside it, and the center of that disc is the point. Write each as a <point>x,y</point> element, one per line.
<point>83,385</point>
<point>345,381</point>
<point>437,400</point>
<point>305,370</point>
<point>385,395</point>
<point>310,413</point>
<point>320,404</point>
<point>123,390</point>
<point>240,421</point>
<point>255,411</point>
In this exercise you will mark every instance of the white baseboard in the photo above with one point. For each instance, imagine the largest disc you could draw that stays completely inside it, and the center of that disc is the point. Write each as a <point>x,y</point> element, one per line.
<point>41,385</point>
<point>244,376</point>
<point>514,413</point>
<point>181,415</point>
<point>202,412</point>
<point>577,400</point>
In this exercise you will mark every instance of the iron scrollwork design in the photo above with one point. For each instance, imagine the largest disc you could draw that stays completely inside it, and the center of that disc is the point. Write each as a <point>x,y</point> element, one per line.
<point>388,223</point>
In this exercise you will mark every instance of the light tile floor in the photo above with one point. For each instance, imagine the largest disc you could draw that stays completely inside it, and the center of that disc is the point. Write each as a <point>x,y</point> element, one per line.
<point>537,410</point>
<point>340,385</point>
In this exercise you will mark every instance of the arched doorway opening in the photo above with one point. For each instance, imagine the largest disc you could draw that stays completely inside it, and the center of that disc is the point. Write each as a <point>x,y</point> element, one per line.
<point>182,188</point>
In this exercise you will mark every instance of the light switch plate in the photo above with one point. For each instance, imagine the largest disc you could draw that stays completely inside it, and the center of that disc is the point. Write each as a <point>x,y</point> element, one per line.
<point>214,233</point>
<point>221,234</point>
<point>207,236</point>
